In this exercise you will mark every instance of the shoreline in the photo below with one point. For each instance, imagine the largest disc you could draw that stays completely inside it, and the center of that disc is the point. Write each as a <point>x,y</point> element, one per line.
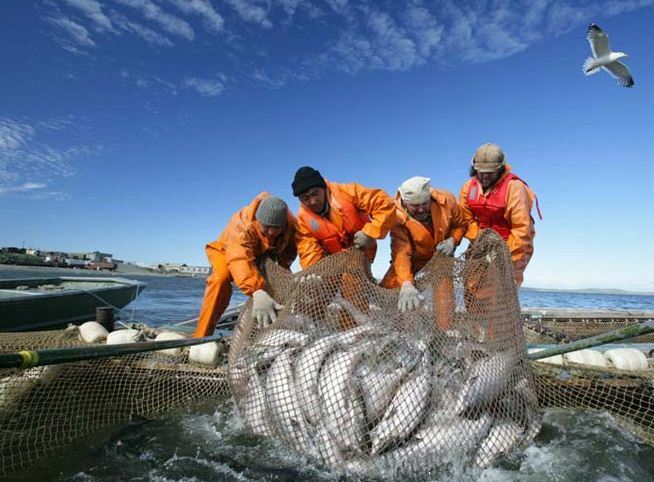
<point>129,270</point>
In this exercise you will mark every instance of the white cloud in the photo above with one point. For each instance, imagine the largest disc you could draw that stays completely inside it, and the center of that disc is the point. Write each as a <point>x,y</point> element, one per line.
<point>76,34</point>
<point>26,163</point>
<point>93,10</point>
<point>145,33</point>
<point>206,87</point>
<point>170,23</point>
<point>212,19</point>
<point>251,11</point>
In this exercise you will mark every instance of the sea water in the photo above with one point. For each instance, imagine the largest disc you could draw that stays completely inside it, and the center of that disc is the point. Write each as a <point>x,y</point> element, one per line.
<point>209,441</point>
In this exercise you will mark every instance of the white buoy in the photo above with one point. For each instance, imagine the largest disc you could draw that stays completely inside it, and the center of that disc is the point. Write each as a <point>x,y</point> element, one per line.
<point>626,358</point>
<point>553,360</point>
<point>586,357</point>
<point>93,332</point>
<point>206,354</point>
<point>120,337</point>
<point>169,335</point>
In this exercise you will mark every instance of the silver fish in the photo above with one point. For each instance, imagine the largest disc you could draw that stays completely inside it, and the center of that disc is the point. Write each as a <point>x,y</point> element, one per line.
<point>486,380</point>
<point>501,439</point>
<point>341,403</point>
<point>406,410</point>
<point>254,405</point>
<point>281,337</point>
<point>441,442</point>
<point>310,361</point>
<point>284,411</point>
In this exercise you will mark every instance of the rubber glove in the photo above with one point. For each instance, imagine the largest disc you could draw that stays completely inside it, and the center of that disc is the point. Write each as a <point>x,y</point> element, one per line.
<point>446,247</point>
<point>362,240</point>
<point>410,297</point>
<point>264,308</point>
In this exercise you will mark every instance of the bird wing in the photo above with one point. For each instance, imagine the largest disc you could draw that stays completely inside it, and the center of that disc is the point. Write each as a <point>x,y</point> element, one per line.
<point>599,41</point>
<point>620,72</point>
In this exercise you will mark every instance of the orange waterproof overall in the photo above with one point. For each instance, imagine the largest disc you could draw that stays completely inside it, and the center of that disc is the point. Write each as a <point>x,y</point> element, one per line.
<point>352,208</point>
<point>413,244</point>
<point>234,258</point>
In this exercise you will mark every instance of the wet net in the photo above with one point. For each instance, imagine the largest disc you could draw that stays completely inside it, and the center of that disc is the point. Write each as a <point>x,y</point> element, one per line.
<point>47,408</point>
<point>348,380</point>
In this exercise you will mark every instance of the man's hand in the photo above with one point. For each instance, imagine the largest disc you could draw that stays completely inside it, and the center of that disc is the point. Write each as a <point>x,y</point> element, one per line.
<point>264,308</point>
<point>446,247</point>
<point>410,297</point>
<point>362,240</point>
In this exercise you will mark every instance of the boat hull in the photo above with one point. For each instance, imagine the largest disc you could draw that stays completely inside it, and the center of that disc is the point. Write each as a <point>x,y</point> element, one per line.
<point>34,309</point>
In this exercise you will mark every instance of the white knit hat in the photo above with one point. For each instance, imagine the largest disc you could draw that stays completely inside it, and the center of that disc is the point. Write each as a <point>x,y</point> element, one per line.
<point>415,190</point>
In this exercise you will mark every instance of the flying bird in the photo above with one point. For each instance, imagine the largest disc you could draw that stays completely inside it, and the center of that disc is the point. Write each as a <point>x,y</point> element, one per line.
<point>606,59</point>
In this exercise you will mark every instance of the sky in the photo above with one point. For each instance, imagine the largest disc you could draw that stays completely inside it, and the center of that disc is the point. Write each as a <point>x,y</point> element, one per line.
<point>138,127</point>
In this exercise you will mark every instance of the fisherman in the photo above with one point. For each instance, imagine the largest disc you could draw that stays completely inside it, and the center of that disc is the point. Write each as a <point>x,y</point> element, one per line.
<point>428,221</point>
<point>334,217</point>
<point>265,228</point>
<point>496,198</point>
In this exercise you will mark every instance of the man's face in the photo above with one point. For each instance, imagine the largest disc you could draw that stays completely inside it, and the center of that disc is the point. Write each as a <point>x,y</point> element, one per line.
<point>421,212</point>
<point>314,199</point>
<point>271,232</point>
<point>487,179</point>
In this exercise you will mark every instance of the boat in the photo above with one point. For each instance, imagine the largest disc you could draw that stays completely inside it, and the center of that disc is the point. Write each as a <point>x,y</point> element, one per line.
<point>28,304</point>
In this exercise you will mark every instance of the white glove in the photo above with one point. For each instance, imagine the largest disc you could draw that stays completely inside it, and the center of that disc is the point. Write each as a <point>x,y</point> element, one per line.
<point>446,247</point>
<point>410,297</point>
<point>362,240</point>
<point>264,308</point>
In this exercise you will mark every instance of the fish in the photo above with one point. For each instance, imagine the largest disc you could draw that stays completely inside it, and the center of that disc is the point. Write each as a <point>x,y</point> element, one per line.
<point>406,410</point>
<point>310,361</point>
<point>254,405</point>
<point>342,408</point>
<point>440,442</point>
<point>502,438</point>
<point>486,380</point>
<point>281,337</point>
<point>379,381</point>
<point>283,404</point>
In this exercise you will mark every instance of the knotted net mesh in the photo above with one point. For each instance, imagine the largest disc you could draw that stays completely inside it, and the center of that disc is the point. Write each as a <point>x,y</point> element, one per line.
<point>347,379</point>
<point>45,409</point>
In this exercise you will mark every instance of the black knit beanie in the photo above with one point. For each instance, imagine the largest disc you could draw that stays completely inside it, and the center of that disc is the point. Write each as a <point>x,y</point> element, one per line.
<point>305,178</point>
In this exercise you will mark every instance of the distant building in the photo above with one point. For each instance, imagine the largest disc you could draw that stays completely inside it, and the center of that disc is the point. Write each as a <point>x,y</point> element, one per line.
<point>202,270</point>
<point>97,256</point>
<point>76,263</point>
<point>33,252</point>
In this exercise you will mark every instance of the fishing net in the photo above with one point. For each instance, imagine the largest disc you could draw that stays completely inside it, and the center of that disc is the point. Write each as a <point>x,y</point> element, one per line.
<point>627,395</point>
<point>559,329</point>
<point>348,380</point>
<point>46,408</point>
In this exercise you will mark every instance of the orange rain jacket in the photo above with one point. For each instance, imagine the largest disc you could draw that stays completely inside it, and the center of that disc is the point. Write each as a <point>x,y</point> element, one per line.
<point>412,243</point>
<point>374,202</point>
<point>517,213</point>
<point>243,245</point>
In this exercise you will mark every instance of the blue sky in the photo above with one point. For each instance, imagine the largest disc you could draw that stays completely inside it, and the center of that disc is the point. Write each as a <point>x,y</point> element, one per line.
<point>137,127</point>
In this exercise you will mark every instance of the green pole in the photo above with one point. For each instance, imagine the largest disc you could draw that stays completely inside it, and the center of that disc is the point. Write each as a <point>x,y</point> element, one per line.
<point>32,358</point>
<point>631,331</point>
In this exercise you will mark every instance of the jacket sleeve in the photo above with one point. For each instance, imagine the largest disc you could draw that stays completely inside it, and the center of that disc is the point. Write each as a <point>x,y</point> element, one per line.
<point>518,214</point>
<point>308,247</point>
<point>458,223</point>
<point>472,228</point>
<point>377,204</point>
<point>401,252</point>
<point>240,252</point>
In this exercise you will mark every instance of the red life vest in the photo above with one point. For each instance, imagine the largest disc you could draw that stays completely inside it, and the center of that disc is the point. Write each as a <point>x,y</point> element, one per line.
<point>488,210</point>
<point>331,238</point>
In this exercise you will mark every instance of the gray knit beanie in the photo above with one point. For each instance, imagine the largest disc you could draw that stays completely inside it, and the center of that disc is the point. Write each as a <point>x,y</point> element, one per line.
<point>272,212</point>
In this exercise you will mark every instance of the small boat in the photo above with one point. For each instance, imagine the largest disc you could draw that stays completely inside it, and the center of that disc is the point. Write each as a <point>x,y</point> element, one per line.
<point>28,304</point>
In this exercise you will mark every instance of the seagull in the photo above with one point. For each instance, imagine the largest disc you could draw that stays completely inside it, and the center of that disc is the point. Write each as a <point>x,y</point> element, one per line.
<point>606,59</point>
